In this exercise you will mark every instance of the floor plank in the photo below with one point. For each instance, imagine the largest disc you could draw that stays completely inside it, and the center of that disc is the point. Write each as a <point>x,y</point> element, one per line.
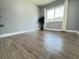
<point>40,45</point>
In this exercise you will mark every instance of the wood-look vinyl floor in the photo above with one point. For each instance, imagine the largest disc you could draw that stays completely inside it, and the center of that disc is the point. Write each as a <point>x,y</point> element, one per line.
<point>40,45</point>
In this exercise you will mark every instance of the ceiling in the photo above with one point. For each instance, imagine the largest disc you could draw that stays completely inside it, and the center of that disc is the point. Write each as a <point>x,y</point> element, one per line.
<point>41,2</point>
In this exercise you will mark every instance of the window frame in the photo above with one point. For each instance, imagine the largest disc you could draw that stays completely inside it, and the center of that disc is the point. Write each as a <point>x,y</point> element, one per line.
<point>54,13</point>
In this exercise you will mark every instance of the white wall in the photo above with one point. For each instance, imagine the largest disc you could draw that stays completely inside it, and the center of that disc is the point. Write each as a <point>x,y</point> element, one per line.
<point>18,15</point>
<point>73,15</point>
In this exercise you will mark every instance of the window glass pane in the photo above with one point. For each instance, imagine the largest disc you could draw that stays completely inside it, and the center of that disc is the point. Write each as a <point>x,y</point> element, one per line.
<point>50,14</point>
<point>59,13</point>
<point>55,14</point>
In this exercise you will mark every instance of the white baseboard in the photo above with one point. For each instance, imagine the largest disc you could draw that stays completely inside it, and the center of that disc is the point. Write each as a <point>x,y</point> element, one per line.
<point>71,31</point>
<point>53,29</point>
<point>78,33</point>
<point>15,33</point>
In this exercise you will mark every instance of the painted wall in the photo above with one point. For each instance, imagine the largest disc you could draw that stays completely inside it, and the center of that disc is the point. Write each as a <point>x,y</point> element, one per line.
<point>18,15</point>
<point>73,15</point>
<point>52,25</point>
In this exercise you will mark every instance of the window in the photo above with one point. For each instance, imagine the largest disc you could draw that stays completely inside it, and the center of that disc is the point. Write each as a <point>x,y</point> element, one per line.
<point>55,14</point>
<point>50,14</point>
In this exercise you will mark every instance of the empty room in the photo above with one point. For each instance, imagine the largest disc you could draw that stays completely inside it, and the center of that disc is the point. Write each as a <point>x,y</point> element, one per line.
<point>39,29</point>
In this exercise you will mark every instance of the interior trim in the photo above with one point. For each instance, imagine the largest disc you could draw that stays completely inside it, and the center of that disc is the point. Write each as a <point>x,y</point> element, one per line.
<point>71,31</point>
<point>15,33</point>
